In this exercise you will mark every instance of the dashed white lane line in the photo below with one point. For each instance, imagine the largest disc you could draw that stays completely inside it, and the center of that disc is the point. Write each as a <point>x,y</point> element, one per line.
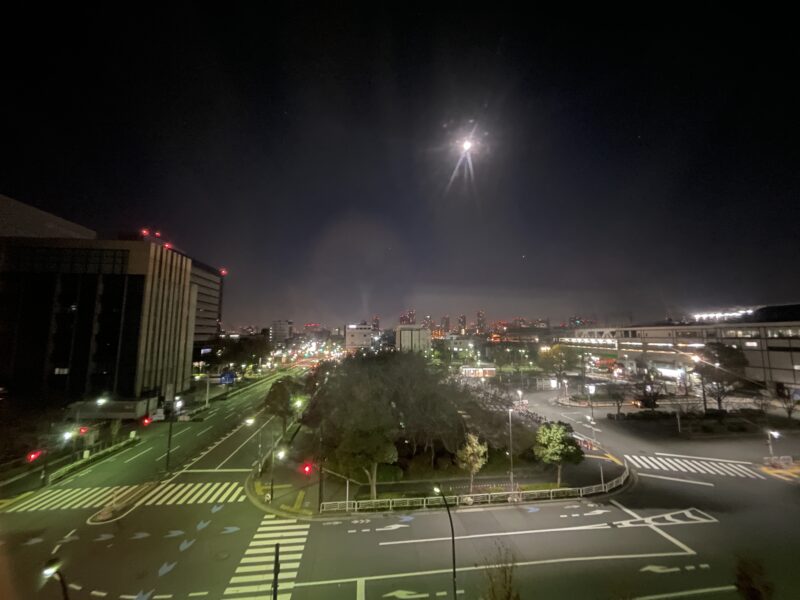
<point>134,457</point>
<point>199,433</point>
<point>171,450</point>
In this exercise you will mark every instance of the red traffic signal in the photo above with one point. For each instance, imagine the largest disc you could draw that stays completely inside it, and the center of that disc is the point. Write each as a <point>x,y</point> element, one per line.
<point>33,455</point>
<point>146,421</point>
<point>307,468</point>
<point>83,430</point>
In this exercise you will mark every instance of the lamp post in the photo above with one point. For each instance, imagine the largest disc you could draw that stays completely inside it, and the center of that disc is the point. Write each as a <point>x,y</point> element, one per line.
<point>511,450</point>
<point>178,404</point>
<point>52,568</point>
<point>439,491</point>
<point>772,434</point>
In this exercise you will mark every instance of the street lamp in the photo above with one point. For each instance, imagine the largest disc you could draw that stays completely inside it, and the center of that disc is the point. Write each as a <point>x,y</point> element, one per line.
<point>438,490</point>
<point>101,401</point>
<point>466,146</point>
<point>53,568</point>
<point>511,450</point>
<point>772,434</point>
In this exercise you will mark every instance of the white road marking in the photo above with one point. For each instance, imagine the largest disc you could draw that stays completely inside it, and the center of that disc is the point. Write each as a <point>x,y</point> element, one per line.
<point>184,430</point>
<point>741,462</point>
<point>256,432</point>
<point>687,593</point>
<point>675,479</point>
<point>137,455</point>
<point>663,534</point>
<point>171,450</point>
<point>199,433</point>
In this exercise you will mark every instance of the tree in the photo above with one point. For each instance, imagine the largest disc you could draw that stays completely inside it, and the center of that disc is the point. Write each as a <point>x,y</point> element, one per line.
<point>721,370</point>
<point>500,576</point>
<point>279,402</point>
<point>556,446</point>
<point>616,393</point>
<point>557,361</point>
<point>650,388</point>
<point>472,456</point>
<point>365,449</point>
<point>787,400</point>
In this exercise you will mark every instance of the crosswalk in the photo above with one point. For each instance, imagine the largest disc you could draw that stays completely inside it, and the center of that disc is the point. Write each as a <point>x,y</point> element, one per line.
<point>254,575</point>
<point>705,466</point>
<point>162,494</point>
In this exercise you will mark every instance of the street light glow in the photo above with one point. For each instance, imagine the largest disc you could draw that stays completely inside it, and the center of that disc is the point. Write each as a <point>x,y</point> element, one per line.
<point>775,434</point>
<point>51,567</point>
<point>101,401</point>
<point>466,145</point>
<point>249,421</point>
<point>67,435</point>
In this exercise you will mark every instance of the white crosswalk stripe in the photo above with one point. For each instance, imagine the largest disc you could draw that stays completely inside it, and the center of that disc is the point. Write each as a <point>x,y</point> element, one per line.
<point>686,465</point>
<point>164,494</point>
<point>253,577</point>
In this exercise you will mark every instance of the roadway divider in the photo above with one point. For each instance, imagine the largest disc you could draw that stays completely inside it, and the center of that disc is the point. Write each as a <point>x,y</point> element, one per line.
<point>79,464</point>
<point>472,499</point>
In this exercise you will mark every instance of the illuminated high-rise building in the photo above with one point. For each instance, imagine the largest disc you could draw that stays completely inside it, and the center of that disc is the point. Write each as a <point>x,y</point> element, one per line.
<point>462,324</point>
<point>427,322</point>
<point>376,323</point>
<point>480,322</point>
<point>445,323</point>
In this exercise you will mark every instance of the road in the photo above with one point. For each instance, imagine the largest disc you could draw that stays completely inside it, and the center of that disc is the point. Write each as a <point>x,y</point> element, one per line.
<point>202,497</point>
<point>198,536</point>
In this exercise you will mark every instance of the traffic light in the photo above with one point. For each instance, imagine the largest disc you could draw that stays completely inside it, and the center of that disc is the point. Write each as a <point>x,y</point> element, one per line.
<point>307,469</point>
<point>146,421</point>
<point>33,455</point>
<point>83,430</point>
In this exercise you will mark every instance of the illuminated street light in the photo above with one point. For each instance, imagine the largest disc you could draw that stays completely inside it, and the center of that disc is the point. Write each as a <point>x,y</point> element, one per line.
<point>249,421</point>
<point>101,401</point>
<point>466,145</point>
<point>53,568</point>
<point>770,435</point>
<point>67,435</point>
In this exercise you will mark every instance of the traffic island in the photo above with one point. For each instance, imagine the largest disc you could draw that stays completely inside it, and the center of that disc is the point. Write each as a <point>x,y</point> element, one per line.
<point>121,506</point>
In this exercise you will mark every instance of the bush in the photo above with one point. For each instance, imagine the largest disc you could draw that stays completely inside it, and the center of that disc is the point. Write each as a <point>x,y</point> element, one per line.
<point>444,462</point>
<point>389,473</point>
<point>532,487</point>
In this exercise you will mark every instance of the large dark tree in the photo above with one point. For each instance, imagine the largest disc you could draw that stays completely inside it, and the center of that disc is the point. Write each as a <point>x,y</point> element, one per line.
<point>721,369</point>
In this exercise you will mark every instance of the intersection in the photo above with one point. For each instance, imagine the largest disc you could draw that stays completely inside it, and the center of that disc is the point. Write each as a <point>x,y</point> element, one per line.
<point>677,528</point>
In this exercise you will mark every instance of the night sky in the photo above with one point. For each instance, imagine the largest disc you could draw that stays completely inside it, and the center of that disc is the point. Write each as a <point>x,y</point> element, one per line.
<point>620,170</point>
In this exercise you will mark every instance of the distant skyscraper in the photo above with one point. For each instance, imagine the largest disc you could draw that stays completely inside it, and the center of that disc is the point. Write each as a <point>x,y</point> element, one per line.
<point>412,316</point>
<point>462,324</point>
<point>445,323</point>
<point>427,322</point>
<point>376,323</point>
<point>481,321</point>
<point>404,319</point>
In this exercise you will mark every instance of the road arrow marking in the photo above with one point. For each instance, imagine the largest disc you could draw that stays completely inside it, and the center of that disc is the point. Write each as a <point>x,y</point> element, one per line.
<point>202,525</point>
<point>406,594</point>
<point>407,518</point>
<point>391,527</point>
<point>185,544</point>
<point>33,541</point>
<point>659,569</point>
<point>104,537</point>
<point>230,530</point>
<point>217,508</point>
<point>533,509</point>
<point>572,506</point>
<point>357,521</point>
<point>140,535</point>
<point>328,523</point>
<point>174,533</point>
<point>144,596</point>
<point>166,568</point>
<point>595,512</point>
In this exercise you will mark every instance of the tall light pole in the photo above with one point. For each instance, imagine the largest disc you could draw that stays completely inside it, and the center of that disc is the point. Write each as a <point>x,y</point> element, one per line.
<point>511,449</point>
<point>770,435</point>
<point>52,568</point>
<point>439,491</point>
<point>178,404</point>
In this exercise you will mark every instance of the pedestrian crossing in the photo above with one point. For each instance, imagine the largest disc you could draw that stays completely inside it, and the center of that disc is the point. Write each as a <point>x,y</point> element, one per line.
<point>163,494</point>
<point>253,577</point>
<point>693,465</point>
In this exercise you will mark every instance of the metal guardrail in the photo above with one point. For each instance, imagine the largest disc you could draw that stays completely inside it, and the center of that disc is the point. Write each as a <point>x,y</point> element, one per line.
<point>472,499</point>
<point>79,464</point>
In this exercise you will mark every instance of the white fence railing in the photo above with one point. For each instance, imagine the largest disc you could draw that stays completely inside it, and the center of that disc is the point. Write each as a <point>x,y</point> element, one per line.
<point>471,499</point>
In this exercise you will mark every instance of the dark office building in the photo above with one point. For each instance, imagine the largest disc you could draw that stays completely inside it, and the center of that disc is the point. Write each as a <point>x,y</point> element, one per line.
<point>208,314</point>
<point>81,317</point>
